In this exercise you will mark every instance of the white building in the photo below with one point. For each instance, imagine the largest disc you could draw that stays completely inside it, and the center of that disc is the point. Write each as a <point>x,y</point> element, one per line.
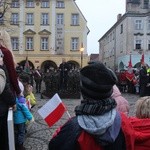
<point>130,35</point>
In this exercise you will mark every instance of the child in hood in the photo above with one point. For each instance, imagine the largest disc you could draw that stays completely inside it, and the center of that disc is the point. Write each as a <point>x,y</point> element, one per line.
<point>122,103</point>
<point>21,116</point>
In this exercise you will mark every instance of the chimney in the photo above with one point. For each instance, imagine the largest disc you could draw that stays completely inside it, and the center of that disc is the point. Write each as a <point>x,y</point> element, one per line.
<point>119,16</point>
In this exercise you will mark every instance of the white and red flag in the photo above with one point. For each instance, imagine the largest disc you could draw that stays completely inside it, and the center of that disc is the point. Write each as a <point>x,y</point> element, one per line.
<point>53,110</point>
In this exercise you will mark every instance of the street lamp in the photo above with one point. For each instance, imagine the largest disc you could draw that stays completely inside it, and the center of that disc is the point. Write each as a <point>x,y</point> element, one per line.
<point>81,50</point>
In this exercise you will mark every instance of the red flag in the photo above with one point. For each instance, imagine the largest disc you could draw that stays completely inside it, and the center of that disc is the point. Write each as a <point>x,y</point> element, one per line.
<point>129,72</point>
<point>142,59</point>
<point>53,110</point>
<point>129,75</point>
<point>130,63</point>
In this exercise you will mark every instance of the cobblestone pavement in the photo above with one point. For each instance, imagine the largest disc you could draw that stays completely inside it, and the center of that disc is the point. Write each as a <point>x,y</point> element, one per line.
<point>39,134</point>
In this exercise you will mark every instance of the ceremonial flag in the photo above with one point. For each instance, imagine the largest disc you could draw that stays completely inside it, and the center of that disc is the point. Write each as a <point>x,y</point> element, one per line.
<point>53,110</point>
<point>129,72</point>
<point>130,62</point>
<point>142,59</point>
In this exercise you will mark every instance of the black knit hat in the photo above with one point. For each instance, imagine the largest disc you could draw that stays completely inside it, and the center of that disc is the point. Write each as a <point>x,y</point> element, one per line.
<point>97,81</point>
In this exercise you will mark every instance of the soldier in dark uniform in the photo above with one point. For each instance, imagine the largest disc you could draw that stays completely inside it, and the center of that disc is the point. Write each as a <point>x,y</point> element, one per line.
<point>64,69</point>
<point>144,79</point>
<point>38,79</point>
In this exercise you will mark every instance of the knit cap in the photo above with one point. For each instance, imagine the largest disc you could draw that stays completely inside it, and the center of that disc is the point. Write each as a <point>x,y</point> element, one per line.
<point>96,81</point>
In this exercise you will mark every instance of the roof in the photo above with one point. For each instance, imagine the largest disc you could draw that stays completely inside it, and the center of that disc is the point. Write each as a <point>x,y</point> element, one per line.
<point>94,57</point>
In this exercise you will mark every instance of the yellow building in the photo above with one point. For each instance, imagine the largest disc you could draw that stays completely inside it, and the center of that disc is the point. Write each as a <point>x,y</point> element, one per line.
<point>45,31</point>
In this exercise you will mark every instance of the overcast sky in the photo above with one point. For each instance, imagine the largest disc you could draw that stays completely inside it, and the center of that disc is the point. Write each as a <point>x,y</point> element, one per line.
<point>101,15</point>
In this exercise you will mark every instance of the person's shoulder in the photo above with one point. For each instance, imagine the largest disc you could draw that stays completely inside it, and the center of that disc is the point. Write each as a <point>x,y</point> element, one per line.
<point>2,72</point>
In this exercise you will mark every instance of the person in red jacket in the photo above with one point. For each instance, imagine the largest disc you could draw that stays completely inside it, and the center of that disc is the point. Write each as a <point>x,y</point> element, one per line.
<point>137,129</point>
<point>97,124</point>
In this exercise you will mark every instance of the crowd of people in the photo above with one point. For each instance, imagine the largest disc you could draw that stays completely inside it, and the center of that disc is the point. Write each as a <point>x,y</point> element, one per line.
<point>101,120</point>
<point>12,96</point>
<point>136,82</point>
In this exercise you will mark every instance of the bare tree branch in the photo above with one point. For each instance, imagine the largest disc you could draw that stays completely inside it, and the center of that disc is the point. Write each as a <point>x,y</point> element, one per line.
<point>3,8</point>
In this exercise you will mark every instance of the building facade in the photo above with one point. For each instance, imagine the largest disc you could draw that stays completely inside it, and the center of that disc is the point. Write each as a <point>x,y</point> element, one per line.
<point>129,36</point>
<point>45,31</point>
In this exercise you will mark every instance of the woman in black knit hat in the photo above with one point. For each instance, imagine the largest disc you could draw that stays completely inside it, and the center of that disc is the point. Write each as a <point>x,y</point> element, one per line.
<point>97,124</point>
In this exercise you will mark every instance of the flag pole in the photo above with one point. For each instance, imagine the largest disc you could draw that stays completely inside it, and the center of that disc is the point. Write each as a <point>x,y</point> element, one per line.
<point>68,114</point>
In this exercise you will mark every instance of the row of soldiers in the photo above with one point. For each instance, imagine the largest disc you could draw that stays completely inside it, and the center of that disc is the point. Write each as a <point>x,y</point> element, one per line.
<point>53,80</point>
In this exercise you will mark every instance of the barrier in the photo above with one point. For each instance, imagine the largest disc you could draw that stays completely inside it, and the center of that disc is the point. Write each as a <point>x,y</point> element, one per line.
<point>11,130</point>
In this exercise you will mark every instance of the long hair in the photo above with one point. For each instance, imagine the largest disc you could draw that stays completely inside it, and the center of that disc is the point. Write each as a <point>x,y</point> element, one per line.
<point>5,41</point>
<point>143,107</point>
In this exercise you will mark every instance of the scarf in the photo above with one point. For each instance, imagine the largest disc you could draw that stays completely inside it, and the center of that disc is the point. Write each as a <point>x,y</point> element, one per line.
<point>97,125</point>
<point>95,107</point>
<point>111,133</point>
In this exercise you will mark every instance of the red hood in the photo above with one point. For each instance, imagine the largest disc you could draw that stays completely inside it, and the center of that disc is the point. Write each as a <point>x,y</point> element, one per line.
<point>137,133</point>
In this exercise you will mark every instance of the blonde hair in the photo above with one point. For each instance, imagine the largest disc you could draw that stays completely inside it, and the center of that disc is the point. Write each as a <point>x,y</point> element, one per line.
<point>5,41</point>
<point>143,107</point>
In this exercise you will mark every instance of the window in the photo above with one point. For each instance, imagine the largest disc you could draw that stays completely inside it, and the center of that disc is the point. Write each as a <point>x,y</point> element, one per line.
<point>30,3</point>
<point>29,18</point>
<point>29,43</point>
<point>149,45</point>
<point>15,4</point>
<point>60,4</point>
<point>138,44</point>
<point>14,18</point>
<point>146,4</point>
<point>15,43</point>
<point>148,25</point>
<point>75,43</point>
<point>44,19</point>
<point>121,29</point>
<point>138,24</point>
<point>60,18</point>
<point>1,19</point>
<point>75,19</point>
<point>110,37</point>
<point>45,3</point>
<point>44,43</point>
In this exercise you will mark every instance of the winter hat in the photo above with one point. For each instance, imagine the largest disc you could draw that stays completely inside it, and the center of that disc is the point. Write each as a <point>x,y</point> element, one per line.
<point>21,99</point>
<point>96,81</point>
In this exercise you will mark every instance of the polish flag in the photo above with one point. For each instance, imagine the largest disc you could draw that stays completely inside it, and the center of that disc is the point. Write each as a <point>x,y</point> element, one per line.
<point>53,110</point>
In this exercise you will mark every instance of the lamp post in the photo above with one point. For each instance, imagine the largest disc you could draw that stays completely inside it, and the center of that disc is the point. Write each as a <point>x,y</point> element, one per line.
<point>81,50</point>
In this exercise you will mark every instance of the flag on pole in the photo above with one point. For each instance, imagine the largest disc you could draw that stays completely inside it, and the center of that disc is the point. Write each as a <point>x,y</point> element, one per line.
<point>27,66</point>
<point>53,110</point>
<point>130,62</point>
<point>129,72</point>
<point>142,59</point>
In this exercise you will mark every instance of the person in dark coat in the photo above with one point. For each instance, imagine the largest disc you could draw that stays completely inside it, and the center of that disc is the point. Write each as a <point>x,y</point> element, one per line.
<point>7,99</point>
<point>38,77</point>
<point>64,69</point>
<point>143,80</point>
<point>9,87</point>
<point>97,124</point>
